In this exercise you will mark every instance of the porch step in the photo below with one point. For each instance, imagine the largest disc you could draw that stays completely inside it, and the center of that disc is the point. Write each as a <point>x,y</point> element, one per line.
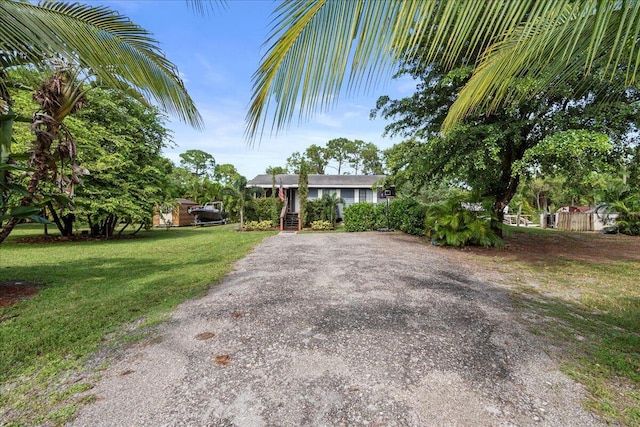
<point>291,221</point>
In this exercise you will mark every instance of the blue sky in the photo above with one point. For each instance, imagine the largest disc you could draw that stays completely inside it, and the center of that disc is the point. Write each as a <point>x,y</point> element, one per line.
<point>217,54</point>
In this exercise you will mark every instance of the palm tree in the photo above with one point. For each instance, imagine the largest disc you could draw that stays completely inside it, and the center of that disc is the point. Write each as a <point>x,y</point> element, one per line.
<point>240,195</point>
<point>106,48</point>
<point>119,53</point>
<point>318,46</point>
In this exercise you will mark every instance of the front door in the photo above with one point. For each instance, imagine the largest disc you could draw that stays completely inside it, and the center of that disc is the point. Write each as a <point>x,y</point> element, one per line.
<point>291,207</point>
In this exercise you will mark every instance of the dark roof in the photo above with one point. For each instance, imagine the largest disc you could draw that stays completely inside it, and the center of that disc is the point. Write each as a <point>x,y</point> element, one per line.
<point>318,181</point>
<point>186,202</point>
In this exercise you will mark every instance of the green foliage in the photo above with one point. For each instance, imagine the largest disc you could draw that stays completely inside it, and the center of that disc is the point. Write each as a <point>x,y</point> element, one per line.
<point>303,191</point>
<point>119,141</point>
<point>323,209</point>
<point>361,217</point>
<point>321,226</point>
<point>364,158</point>
<point>225,173</point>
<point>258,225</point>
<point>455,222</point>
<point>407,215</point>
<point>628,209</point>
<point>198,162</point>
<point>483,151</point>
<point>264,208</point>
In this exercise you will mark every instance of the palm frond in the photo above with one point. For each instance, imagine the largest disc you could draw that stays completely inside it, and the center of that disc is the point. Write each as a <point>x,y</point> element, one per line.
<point>116,49</point>
<point>319,47</point>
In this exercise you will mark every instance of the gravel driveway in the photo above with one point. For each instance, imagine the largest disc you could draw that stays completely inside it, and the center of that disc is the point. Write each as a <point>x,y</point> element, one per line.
<point>365,329</point>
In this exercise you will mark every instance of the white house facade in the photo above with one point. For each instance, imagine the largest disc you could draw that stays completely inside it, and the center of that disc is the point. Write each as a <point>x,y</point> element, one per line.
<point>351,188</point>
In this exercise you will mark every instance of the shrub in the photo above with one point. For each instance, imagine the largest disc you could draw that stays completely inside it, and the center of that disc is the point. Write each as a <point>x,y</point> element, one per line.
<point>258,225</point>
<point>407,215</point>
<point>314,211</point>
<point>323,209</point>
<point>321,225</point>
<point>628,210</point>
<point>362,217</point>
<point>264,208</point>
<point>450,223</point>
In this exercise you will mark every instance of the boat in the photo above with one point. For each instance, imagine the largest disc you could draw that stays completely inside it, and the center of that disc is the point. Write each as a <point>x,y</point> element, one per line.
<point>211,213</point>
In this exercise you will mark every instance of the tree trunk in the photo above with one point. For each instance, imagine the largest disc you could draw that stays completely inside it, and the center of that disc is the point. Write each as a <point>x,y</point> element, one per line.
<point>56,218</point>
<point>8,228</point>
<point>139,228</point>
<point>40,159</point>
<point>123,228</point>
<point>67,221</point>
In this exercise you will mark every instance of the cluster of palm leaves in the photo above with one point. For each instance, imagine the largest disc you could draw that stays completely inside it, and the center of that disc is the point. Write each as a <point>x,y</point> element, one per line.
<point>317,47</point>
<point>457,222</point>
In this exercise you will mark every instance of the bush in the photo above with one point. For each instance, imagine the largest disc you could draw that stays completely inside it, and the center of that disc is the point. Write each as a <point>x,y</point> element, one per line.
<point>362,217</point>
<point>321,225</point>
<point>628,210</point>
<point>314,211</point>
<point>257,226</point>
<point>407,215</point>
<point>264,208</point>
<point>322,209</point>
<point>450,223</point>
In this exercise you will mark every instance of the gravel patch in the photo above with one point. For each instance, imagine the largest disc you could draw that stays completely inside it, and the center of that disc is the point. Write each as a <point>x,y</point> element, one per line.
<point>357,329</point>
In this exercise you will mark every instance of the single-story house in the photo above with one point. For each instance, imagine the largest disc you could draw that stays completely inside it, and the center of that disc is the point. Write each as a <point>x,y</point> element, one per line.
<point>351,188</point>
<point>174,215</point>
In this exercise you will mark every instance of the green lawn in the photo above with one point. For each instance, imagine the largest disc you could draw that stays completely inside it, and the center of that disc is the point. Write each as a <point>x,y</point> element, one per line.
<point>92,290</point>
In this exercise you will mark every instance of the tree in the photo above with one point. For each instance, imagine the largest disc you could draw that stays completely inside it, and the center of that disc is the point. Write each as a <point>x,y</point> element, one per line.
<point>341,150</point>
<point>294,161</point>
<point>101,46</point>
<point>303,192</point>
<point>240,195</point>
<point>60,94</point>
<point>225,173</point>
<point>366,159</point>
<point>317,159</point>
<point>318,45</point>
<point>481,152</point>
<point>119,140</point>
<point>276,170</point>
<point>117,52</point>
<point>200,163</point>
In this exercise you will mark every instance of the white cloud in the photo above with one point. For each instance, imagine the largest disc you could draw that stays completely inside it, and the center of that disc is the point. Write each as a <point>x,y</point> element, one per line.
<point>326,120</point>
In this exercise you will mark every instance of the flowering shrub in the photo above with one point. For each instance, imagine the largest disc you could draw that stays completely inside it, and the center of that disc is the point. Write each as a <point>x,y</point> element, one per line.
<point>321,225</point>
<point>257,226</point>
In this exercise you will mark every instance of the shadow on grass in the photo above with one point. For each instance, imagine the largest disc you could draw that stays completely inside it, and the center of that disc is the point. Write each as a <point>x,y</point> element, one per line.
<point>537,247</point>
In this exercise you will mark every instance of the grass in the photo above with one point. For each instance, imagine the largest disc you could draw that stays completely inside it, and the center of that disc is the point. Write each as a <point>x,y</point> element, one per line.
<point>90,292</point>
<point>585,293</point>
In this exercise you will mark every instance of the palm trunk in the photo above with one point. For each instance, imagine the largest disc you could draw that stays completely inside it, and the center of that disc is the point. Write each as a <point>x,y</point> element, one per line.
<point>40,159</point>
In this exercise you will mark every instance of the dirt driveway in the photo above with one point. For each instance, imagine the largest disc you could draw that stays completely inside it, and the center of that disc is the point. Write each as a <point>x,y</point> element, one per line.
<point>365,329</point>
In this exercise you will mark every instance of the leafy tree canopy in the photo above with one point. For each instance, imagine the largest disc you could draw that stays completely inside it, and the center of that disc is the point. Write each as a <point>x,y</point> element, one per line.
<point>363,158</point>
<point>199,162</point>
<point>480,152</point>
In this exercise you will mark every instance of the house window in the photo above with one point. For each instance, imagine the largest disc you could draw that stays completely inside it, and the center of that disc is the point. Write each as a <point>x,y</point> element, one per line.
<point>329,191</point>
<point>348,195</point>
<point>313,194</point>
<point>366,195</point>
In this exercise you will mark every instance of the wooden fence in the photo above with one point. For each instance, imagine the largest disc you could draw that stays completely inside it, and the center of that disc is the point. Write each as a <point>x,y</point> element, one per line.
<point>575,221</point>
